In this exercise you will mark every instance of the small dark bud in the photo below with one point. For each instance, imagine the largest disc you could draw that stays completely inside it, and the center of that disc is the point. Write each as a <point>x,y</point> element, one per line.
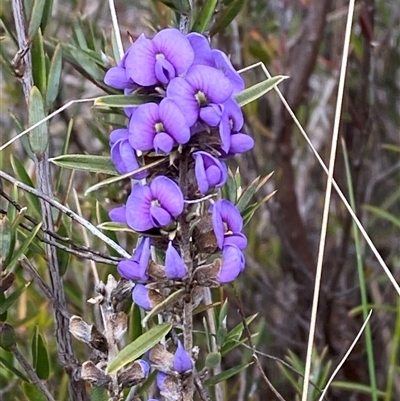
<point>98,340</point>
<point>203,236</point>
<point>206,275</point>
<point>133,375</point>
<point>7,336</point>
<point>94,375</point>
<point>88,334</point>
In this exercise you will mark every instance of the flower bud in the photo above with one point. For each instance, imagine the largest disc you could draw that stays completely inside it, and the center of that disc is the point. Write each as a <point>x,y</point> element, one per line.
<point>135,374</point>
<point>94,375</point>
<point>182,361</point>
<point>7,336</point>
<point>160,358</point>
<point>146,298</point>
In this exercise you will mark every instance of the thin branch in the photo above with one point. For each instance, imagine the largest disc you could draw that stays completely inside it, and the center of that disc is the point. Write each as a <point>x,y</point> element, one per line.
<point>346,355</point>
<point>253,348</point>
<point>31,373</point>
<point>74,216</point>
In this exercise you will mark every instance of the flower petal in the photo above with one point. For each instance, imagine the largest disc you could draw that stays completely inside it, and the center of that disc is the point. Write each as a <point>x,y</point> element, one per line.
<point>140,296</point>
<point>175,47</point>
<point>117,78</point>
<point>174,121</point>
<point>118,214</point>
<point>117,134</point>
<point>211,114</point>
<point>165,71</point>
<point>175,267</point>
<point>200,173</point>
<point>183,95</point>
<point>223,63</point>
<point>138,208</point>
<point>159,216</point>
<point>202,50</point>
<point>211,82</point>
<point>235,114</point>
<point>162,141</point>
<point>169,195</point>
<point>140,62</point>
<point>230,215</point>
<point>182,360</point>
<point>232,264</point>
<point>238,239</point>
<point>131,270</point>
<point>142,126</point>
<point>240,143</point>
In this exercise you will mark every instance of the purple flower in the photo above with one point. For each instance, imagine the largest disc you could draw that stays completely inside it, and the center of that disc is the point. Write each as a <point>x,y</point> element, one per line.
<point>158,126</point>
<point>175,267</point>
<point>233,263</point>
<point>145,367</point>
<point>123,155</point>
<point>232,121</point>
<point>228,224</point>
<point>182,360</point>
<point>204,55</point>
<point>135,267</point>
<point>202,86</point>
<point>150,206</point>
<point>161,59</point>
<point>141,297</point>
<point>210,172</point>
<point>240,143</point>
<point>161,382</point>
<point>117,77</point>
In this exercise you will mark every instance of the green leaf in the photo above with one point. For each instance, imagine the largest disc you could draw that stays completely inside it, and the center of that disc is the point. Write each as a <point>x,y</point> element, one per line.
<point>83,60</point>
<point>355,387</point>
<point>213,359</point>
<point>53,85</point>
<point>256,91</point>
<point>39,68</point>
<point>137,348</point>
<point>5,238</point>
<point>40,356</point>
<point>12,298</point>
<point>92,163</point>
<point>98,394</point>
<point>204,16</point>
<point>124,100</point>
<point>135,327</point>
<point>32,393</point>
<point>24,246</point>
<point>247,195</point>
<point>180,6</point>
<point>227,16</point>
<point>115,227</point>
<point>212,381</point>
<point>63,257</point>
<point>38,137</point>
<point>383,214</point>
<point>13,370</point>
<point>46,15</point>
<point>123,176</point>
<point>23,176</point>
<point>237,331</point>
<point>36,17</point>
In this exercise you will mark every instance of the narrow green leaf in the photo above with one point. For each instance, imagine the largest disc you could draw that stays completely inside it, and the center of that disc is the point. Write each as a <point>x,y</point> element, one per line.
<point>92,163</point>
<point>98,394</point>
<point>383,214</point>
<point>24,246</point>
<point>53,85</point>
<point>355,387</point>
<point>13,370</point>
<point>204,16</point>
<point>258,90</point>
<point>39,68</point>
<point>63,152</point>
<point>5,238</point>
<point>237,331</point>
<point>114,227</point>
<point>38,137</point>
<point>103,217</point>
<point>40,357</point>
<point>12,298</point>
<point>3,316</point>
<point>227,16</point>
<point>138,347</point>
<point>124,100</point>
<point>212,381</point>
<point>47,11</point>
<point>213,359</point>
<point>32,393</point>
<point>80,36</point>
<point>180,6</point>
<point>84,60</point>
<point>36,17</point>
<point>123,176</point>
<point>248,194</point>
<point>135,329</point>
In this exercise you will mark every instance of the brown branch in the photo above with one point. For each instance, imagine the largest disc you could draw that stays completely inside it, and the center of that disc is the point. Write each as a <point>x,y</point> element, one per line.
<point>64,346</point>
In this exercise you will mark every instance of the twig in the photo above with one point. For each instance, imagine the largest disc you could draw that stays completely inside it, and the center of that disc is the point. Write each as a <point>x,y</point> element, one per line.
<point>252,347</point>
<point>31,373</point>
<point>346,355</point>
<point>74,216</point>
<point>46,290</point>
<point>325,217</point>
<point>66,355</point>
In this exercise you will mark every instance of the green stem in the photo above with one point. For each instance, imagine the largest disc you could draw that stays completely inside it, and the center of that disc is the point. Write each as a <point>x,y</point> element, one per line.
<point>361,279</point>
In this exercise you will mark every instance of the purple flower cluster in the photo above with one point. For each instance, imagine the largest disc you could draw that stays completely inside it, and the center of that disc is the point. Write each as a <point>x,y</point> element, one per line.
<point>194,114</point>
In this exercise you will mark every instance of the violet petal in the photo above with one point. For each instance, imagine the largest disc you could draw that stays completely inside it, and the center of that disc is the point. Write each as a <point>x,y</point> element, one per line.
<point>182,360</point>
<point>118,214</point>
<point>169,195</point>
<point>140,296</point>
<point>138,208</point>
<point>232,264</point>
<point>175,267</point>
